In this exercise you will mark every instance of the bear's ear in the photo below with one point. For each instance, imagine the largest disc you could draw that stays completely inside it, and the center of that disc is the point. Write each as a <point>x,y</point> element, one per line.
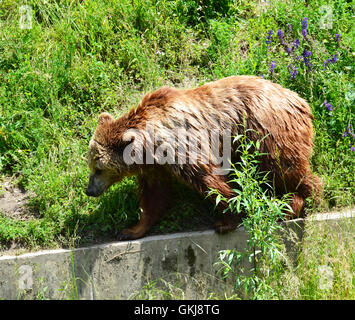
<point>105,117</point>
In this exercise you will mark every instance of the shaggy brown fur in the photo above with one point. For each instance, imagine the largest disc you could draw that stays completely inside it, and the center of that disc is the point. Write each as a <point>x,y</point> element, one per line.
<point>261,105</point>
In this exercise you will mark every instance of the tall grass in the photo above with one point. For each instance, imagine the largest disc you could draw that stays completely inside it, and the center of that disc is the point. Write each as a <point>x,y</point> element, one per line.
<point>325,265</point>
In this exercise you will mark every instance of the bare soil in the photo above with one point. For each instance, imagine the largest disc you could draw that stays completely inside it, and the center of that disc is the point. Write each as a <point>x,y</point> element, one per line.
<point>13,201</point>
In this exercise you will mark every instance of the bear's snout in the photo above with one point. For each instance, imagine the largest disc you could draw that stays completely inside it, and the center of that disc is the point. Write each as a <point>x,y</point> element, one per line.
<point>97,186</point>
<point>92,192</point>
<point>89,192</point>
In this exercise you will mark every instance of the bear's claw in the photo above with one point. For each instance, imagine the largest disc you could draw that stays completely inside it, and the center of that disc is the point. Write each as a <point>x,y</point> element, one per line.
<point>124,236</point>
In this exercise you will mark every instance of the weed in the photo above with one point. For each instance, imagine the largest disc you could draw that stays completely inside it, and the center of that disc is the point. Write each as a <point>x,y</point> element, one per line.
<point>262,212</point>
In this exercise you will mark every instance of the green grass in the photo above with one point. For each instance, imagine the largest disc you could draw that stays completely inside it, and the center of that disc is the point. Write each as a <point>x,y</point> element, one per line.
<point>325,267</point>
<point>80,59</point>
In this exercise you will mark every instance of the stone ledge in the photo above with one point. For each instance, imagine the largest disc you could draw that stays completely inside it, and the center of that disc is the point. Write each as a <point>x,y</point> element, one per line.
<point>119,269</point>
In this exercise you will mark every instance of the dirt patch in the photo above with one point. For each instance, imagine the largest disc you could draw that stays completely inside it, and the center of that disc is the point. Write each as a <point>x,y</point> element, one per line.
<point>13,201</point>
<point>244,49</point>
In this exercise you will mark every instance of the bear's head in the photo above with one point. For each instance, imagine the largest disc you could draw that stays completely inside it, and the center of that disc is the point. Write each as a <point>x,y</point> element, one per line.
<point>105,157</point>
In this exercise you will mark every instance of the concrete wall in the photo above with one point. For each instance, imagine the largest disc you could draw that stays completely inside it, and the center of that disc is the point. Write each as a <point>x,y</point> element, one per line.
<point>121,270</point>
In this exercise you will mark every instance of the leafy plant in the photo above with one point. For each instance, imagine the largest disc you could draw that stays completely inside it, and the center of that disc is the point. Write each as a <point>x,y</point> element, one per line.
<point>262,212</point>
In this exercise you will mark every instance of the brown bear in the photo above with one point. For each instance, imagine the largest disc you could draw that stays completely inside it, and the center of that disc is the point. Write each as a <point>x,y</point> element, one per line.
<point>187,134</point>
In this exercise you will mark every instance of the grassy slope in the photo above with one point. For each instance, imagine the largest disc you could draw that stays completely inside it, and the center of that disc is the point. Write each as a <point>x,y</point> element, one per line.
<point>83,58</point>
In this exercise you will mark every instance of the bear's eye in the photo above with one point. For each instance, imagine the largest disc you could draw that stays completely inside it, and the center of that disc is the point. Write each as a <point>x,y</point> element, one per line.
<point>120,149</point>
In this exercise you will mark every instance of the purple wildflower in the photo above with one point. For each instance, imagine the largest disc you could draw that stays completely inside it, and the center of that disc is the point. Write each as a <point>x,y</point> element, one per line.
<point>348,131</point>
<point>294,72</point>
<point>296,44</point>
<point>334,58</point>
<point>280,34</point>
<point>328,105</point>
<point>269,37</point>
<point>325,63</point>
<point>304,27</point>
<point>273,66</point>
<point>337,36</point>
<point>306,53</point>
<point>308,64</point>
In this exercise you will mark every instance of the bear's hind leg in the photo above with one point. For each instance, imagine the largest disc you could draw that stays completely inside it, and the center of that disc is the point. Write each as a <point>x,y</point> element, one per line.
<point>228,221</point>
<point>297,204</point>
<point>309,188</point>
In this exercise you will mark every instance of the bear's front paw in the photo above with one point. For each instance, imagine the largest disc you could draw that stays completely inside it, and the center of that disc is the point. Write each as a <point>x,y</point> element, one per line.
<point>129,234</point>
<point>125,235</point>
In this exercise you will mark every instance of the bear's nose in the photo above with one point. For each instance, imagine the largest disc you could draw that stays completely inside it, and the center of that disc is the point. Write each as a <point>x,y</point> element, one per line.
<point>89,192</point>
